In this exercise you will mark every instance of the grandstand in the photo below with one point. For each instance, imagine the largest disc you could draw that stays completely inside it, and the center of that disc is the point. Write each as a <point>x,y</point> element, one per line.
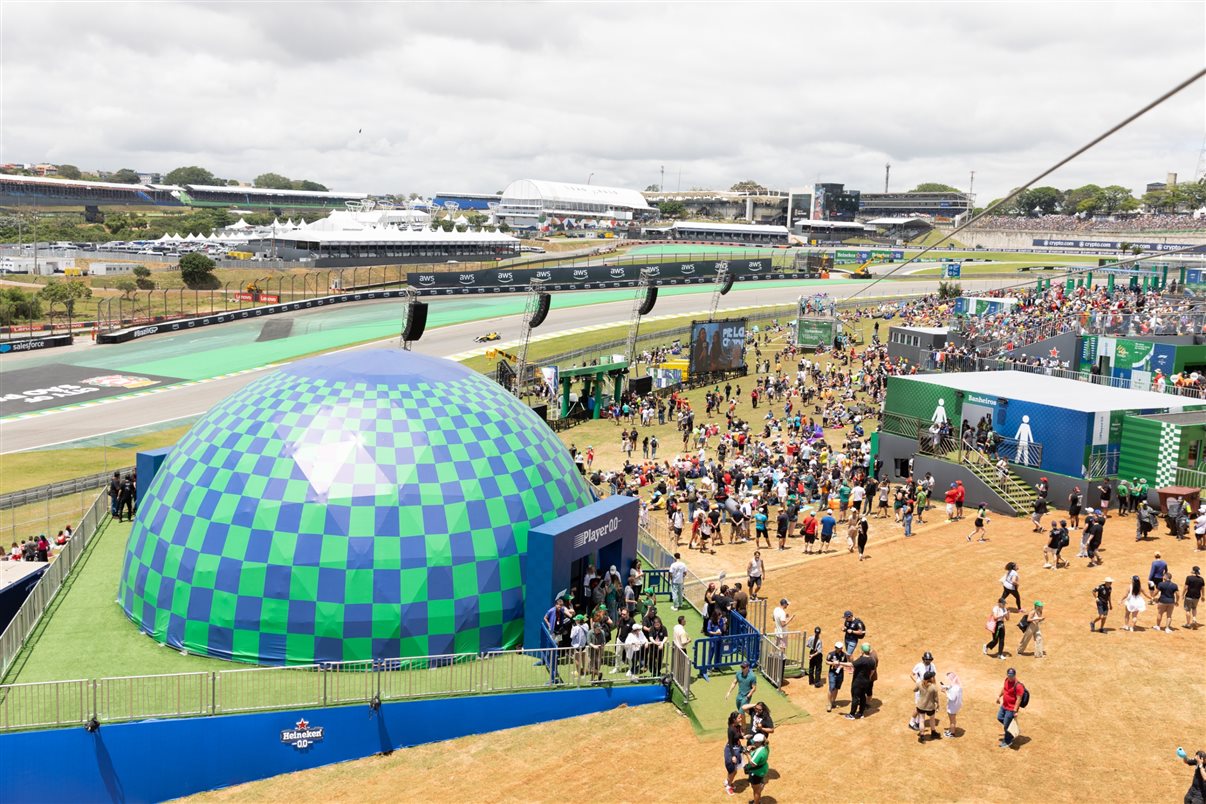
<point>530,203</point>
<point>941,205</point>
<point>38,191</point>
<point>729,233</point>
<point>476,201</point>
<point>385,245</point>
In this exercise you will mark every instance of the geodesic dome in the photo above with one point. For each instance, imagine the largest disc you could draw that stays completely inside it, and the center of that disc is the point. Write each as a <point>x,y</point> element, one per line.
<point>370,504</point>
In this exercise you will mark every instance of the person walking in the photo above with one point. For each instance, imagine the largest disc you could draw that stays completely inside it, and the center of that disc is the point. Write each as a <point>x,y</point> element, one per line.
<point>1032,629</point>
<point>815,649</point>
<point>745,681</point>
<point>981,521</point>
<point>1038,512</point>
<point>1010,702</point>
<point>1009,584</point>
<point>1134,604</point>
<point>854,631</point>
<point>1101,594</point>
<point>906,516</point>
<point>828,523</point>
<point>754,573</point>
<point>1192,596</point>
<point>861,670</point>
<point>863,527</point>
<point>1168,593</point>
<point>1056,540</point>
<point>954,702</point>
<point>996,626</point>
<point>1074,508</point>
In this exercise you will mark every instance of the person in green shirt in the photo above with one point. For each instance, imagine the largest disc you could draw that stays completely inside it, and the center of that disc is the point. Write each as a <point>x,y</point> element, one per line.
<point>1138,493</point>
<point>758,765</point>
<point>923,499</point>
<point>1124,495</point>
<point>746,681</point>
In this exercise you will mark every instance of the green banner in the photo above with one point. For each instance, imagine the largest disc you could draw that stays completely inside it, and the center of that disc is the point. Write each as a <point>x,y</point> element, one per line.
<point>1088,352</point>
<point>1132,354</point>
<point>813,332</point>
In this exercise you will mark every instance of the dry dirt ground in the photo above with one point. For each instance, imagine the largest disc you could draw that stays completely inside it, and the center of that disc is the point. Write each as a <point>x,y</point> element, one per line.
<point>1107,710</point>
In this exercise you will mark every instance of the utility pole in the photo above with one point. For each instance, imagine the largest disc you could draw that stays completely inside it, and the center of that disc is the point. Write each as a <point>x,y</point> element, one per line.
<point>887,172</point>
<point>662,182</point>
<point>971,183</point>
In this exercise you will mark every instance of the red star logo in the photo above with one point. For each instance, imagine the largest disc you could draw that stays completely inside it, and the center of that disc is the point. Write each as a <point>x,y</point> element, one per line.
<point>1054,352</point>
<point>303,724</point>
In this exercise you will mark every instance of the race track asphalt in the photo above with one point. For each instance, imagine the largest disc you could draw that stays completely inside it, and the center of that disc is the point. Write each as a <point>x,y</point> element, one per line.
<point>216,362</point>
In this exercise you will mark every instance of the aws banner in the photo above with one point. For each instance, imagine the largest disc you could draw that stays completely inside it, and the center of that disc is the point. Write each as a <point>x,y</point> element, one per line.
<point>498,280</point>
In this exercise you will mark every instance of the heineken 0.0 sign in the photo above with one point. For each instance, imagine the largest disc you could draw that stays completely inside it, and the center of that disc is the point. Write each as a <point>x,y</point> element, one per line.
<point>814,332</point>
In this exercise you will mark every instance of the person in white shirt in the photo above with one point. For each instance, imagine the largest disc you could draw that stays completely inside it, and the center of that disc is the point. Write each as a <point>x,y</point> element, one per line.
<point>954,701</point>
<point>635,646</point>
<point>926,665</point>
<point>678,576</point>
<point>681,639</point>
<point>782,619</point>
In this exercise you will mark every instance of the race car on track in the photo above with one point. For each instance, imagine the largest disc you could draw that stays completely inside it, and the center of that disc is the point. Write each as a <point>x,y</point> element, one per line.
<point>489,336</point>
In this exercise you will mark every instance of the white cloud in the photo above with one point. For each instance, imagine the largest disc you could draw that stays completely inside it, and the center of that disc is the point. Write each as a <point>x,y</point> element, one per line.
<point>467,97</point>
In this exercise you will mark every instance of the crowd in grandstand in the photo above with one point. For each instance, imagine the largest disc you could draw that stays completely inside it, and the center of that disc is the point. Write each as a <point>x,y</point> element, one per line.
<point>1077,223</point>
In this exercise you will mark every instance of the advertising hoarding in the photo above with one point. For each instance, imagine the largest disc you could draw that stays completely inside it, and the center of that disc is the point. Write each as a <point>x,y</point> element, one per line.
<point>814,332</point>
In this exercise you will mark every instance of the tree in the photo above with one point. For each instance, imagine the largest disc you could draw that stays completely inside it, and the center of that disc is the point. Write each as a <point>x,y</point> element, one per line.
<point>1073,199</point>
<point>197,270</point>
<point>142,278</point>
<point>190,174</point>
<point>17,305</point>
<point>128,288</point>
<point>69,172</point>
<point>1116,198</point>
<point>652,188</point>
<point>672,209</point>
<point>125,176</point>
<point>949,290</point>
<point>310,186</point>
<point>748,186</point>
<point>933,187</point>
<point>1040,200</point>
<point>65,293</point>
<point>273,181</point>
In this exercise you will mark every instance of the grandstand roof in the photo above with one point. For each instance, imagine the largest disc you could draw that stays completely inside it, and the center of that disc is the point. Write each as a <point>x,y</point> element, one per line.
<point>752,228</point>
<point>233,188</point>
<point>93,185</point>
<point>808,223</point>
<point>528,189</point>
<point>895,221</point>
<point>1056,391</point>
<point>391,235</point>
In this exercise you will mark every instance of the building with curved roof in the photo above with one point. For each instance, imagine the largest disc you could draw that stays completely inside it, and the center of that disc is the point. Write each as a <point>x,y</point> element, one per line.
<point>530,203</point>
<point>365,505</point>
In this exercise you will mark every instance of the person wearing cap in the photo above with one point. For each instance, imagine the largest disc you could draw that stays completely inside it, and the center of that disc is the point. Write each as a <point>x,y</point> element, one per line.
<point>960,496</point>
<point>861,670</point>
<point>1167,596</point>
<point>854,630</point>
<point>926,665</point>
<point>745,682</point>
<point>1033,629</point>
<point>836,660</point>
<point>1009,701</point>
<point>1138,492</point>
<point>1124,496</point>
<point>1101,594</point>
<point>1193,595</point>
<point>758,766</point>
<point>815,648</point>
<point>1095,529</point>
<point>635,645</point>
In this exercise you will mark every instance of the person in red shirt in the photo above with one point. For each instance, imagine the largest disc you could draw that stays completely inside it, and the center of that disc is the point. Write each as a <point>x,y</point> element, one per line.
<point>960,493</point>
<point>1010,701</point>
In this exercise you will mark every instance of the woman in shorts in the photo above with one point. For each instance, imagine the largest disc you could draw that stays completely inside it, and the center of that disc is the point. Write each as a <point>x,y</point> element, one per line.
<point>733,749</point>
<point>1074,508</point>
<point>981,519</point>
<point>754,573</point>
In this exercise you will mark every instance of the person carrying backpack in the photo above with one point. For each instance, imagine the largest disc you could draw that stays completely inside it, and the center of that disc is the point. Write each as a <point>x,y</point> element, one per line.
<point>1014,697</point>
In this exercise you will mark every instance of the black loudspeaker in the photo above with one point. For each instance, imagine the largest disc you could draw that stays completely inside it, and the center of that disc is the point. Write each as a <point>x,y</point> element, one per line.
<point>650,300</point>
<point>416,321</point>
<point>543,301</point>
<point>729,279</point>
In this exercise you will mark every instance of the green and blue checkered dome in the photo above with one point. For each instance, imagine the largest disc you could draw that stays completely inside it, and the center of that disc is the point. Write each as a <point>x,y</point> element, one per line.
<point>371,504</point>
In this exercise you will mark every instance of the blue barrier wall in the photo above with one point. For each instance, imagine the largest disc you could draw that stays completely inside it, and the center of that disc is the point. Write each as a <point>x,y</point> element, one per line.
<point>157,760</point>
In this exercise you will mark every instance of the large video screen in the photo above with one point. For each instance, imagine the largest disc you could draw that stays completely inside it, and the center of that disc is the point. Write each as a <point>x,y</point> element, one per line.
<point>717,345</point>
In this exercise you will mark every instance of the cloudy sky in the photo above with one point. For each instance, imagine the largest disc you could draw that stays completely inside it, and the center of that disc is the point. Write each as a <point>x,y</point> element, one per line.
<point>466,96</point>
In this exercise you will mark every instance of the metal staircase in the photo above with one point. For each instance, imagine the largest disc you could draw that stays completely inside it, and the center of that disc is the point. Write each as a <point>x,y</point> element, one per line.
<point>1012,488</point>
